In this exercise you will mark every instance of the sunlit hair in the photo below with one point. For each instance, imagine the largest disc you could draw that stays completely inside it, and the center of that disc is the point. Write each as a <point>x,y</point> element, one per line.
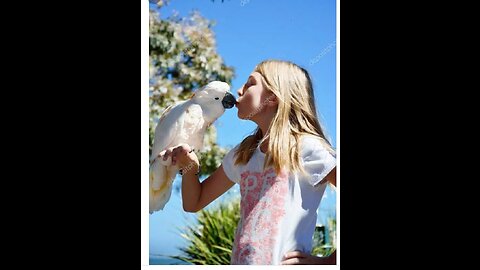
<point>296,116</point>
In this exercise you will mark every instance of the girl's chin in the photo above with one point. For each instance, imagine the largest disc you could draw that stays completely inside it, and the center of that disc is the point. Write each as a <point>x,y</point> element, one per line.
<point>241,115</point>
<point>244,115</point>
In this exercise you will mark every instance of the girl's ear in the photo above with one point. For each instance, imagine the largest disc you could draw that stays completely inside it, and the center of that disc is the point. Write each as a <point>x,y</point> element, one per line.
<point>272,100</point>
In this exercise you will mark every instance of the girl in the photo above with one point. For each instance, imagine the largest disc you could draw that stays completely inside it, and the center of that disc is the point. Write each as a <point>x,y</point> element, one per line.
<point>282,169</point>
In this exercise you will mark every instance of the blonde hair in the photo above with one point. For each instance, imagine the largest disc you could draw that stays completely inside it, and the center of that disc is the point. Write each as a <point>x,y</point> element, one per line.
<point>296,116</point>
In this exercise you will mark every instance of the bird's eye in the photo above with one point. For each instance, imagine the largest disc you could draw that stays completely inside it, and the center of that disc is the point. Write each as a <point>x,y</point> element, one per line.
<point>216,98</point>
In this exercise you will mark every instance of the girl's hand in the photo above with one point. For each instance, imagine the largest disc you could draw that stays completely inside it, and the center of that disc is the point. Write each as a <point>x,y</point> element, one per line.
<point>182,156</point>
<point>297,257</point>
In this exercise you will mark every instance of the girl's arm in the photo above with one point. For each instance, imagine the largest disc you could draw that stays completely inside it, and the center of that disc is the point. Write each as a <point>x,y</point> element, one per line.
<point>196,195</point>
<point>297,257</point>
<point>332,176</point>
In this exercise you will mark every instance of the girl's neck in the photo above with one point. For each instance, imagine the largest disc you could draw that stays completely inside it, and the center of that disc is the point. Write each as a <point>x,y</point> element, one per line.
<point>264,147</point>
<point>264,124</point>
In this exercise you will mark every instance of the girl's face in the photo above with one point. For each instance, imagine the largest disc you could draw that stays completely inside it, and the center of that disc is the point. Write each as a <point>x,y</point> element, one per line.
<point>253,98</point>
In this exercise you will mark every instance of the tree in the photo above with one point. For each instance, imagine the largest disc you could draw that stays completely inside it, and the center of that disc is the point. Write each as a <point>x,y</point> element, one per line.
<point>183,57</point>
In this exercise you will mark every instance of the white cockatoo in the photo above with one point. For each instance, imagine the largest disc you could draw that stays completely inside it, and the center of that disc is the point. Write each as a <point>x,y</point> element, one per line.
<point>184,122</point>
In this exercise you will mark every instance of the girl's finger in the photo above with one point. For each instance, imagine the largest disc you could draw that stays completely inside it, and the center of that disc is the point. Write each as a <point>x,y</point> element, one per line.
<point>294,254</point>
<point>175,154</point>
<point>292,261</point>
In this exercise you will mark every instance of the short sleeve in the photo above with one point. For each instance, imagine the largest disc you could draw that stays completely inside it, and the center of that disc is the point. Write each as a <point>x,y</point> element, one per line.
<point>231,171</point>
<point>317,160</point>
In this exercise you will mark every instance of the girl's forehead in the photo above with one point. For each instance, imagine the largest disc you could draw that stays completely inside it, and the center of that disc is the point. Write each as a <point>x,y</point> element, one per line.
<point>256,75</point>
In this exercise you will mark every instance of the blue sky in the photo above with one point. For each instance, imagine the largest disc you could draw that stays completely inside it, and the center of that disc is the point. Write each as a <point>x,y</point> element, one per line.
<point>247,32</point>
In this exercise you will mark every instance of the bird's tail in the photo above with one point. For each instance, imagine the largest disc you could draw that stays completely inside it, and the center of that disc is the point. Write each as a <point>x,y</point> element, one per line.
<point>161,180</point>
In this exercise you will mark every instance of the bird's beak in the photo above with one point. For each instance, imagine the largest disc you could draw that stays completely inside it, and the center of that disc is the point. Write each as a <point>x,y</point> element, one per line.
<point>228,101</point>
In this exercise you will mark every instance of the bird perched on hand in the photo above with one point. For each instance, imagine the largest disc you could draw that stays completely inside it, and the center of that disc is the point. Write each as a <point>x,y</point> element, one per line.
<point>184,122</point>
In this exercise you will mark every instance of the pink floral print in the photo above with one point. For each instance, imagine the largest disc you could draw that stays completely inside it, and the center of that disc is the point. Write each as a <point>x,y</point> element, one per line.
<point>262,208</point>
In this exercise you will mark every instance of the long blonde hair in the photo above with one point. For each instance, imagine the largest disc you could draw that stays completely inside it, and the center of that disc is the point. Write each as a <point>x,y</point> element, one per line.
<point>296,116</point>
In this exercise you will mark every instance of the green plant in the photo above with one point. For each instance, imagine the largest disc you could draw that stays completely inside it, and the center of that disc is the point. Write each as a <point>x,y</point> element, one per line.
<point>211,240</point>
<point>322,247</point>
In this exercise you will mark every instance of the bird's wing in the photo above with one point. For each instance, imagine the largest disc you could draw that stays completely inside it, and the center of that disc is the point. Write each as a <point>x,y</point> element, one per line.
<point>167,128</point>
<point>180,124</point>
<point>192,126</point>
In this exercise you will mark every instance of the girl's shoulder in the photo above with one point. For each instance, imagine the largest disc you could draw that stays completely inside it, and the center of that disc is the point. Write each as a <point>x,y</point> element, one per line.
<point>317,157</point>
<point>311,144</point>
<point>310,139</point>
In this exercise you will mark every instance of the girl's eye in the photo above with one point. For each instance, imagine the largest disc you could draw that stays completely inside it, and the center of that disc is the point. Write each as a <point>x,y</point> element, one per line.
<point>216,98</point>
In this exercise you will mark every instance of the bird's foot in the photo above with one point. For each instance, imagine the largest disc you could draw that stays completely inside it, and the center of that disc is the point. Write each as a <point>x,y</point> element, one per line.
<point>167,162</point>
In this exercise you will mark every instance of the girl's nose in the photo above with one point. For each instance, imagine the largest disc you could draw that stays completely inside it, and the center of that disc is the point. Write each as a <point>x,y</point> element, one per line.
<point>240,91</point>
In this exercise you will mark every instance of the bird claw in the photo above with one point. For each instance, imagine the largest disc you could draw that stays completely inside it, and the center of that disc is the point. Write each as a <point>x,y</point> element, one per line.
<point>167,162</point>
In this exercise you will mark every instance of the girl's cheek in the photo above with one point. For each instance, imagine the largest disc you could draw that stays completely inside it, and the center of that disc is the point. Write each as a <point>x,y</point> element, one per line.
<point>242,111</point>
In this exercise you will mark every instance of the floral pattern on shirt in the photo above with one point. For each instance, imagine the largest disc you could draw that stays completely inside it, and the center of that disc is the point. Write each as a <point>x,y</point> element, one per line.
<point>262,208</point>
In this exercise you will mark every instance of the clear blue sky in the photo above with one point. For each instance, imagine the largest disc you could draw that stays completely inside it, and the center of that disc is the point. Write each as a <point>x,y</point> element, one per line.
<point>247,32</point>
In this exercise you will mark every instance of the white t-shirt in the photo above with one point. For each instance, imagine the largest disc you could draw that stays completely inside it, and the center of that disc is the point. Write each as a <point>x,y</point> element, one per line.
<point>278,212</point>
